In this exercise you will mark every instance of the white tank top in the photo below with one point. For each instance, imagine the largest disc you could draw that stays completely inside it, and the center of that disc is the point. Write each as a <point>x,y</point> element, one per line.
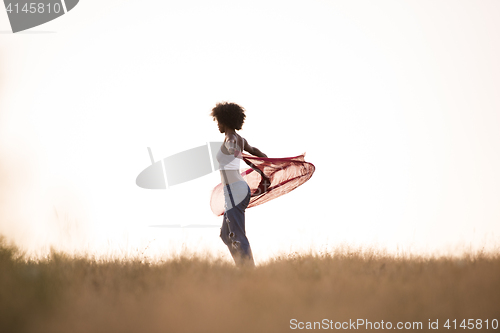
<point>227,162</point>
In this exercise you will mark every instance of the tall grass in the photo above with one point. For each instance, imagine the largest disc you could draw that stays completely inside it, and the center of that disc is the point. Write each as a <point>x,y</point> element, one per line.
<point>64,293</point>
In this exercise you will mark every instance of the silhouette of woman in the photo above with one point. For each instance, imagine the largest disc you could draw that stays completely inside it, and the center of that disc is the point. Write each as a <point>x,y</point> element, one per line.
<point>230,117</point>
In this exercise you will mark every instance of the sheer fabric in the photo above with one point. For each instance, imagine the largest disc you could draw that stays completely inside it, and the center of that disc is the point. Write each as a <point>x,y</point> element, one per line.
<point>268,178</point>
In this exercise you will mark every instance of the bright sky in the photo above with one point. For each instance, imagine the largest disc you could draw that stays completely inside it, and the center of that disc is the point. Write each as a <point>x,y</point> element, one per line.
<point>395,102</point>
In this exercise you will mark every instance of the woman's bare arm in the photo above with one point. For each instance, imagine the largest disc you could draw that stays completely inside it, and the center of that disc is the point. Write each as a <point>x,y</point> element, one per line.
<point>253,150</point>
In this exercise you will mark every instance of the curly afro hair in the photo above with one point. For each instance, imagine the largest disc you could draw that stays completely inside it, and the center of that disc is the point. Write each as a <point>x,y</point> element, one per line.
<point>230,114</point>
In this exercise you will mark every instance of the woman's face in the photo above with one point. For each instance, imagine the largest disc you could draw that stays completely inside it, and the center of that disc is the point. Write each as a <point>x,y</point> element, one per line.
<point>221,127</point>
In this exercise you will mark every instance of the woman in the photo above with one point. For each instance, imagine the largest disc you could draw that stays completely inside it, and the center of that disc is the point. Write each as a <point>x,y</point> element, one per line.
<point>230,117</point>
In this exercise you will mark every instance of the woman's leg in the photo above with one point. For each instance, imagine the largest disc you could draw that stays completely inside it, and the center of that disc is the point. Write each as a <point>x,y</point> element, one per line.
<point>233,232</point>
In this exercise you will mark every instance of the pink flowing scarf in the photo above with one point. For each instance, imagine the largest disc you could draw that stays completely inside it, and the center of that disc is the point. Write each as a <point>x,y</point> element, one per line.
<point>268,178</point>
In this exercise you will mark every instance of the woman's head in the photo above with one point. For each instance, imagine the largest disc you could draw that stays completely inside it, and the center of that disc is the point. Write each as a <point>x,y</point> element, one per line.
<point>228,115</point>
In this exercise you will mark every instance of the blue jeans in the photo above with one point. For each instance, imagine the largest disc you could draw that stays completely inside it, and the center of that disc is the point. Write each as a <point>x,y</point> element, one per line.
<point>237,198</point>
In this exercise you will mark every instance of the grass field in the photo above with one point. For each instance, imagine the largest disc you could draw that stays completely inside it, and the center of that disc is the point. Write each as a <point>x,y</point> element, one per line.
<point>192,294</point>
